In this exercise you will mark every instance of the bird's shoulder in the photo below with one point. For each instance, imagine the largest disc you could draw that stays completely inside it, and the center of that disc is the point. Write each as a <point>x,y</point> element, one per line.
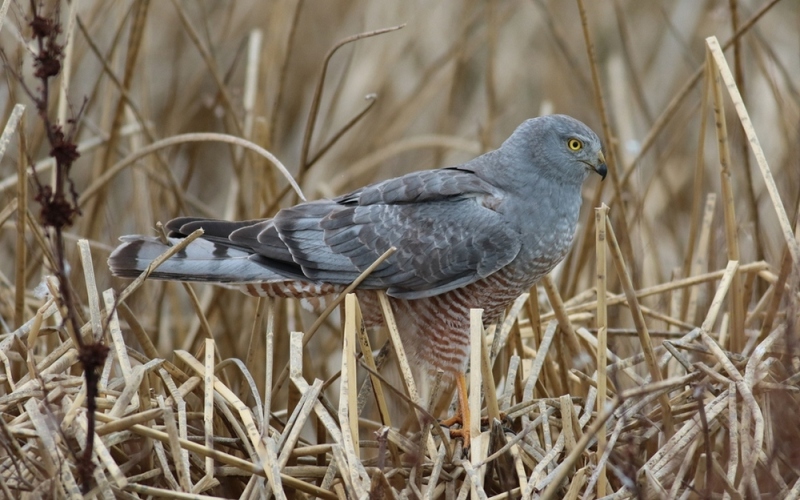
<point>450,183</point>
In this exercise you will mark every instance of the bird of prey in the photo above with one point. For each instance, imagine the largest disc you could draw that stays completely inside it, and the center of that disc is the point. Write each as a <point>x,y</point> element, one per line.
<point>474,235</point>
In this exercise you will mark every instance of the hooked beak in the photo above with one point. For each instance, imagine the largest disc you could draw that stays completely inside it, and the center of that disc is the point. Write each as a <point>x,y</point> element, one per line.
<point>600,167</point>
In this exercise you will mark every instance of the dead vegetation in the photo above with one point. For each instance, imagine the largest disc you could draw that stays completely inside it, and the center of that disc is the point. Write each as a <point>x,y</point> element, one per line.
<point>659,361</point>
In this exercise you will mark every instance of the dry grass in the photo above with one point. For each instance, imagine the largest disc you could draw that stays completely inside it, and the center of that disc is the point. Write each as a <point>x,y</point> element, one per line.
<point>684,292</point>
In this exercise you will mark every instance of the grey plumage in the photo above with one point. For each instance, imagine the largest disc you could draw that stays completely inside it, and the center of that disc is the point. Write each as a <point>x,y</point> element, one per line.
<point>512,209</point>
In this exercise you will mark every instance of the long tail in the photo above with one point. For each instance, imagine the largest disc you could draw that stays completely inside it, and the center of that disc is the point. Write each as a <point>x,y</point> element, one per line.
<point>201,260</point>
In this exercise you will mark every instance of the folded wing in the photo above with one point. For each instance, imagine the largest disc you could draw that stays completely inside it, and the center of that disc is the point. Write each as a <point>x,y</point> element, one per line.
<point>441,222</point>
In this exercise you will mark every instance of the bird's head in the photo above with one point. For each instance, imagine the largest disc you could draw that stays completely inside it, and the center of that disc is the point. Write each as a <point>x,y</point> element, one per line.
<point>557,147</point>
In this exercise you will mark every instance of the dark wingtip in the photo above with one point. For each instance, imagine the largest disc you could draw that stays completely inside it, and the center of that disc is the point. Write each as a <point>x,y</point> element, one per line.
<point>122,261</point>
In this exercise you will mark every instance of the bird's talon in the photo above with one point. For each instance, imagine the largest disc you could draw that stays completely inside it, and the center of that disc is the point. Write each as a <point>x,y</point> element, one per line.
<point>449,422</point>
<point>462,433</point>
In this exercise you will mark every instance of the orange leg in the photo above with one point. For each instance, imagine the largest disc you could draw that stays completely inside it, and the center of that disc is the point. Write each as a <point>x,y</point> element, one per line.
<point>462,415</point>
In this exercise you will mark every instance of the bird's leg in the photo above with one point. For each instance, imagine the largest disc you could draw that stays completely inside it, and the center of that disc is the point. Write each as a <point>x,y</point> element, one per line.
<point>462,414</point>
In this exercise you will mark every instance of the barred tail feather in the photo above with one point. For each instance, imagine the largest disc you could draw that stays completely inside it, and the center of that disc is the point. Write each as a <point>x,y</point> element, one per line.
<point>202,260</point>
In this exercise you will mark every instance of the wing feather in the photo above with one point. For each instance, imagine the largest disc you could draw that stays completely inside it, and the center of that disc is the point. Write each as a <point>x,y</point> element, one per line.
<point>446,237</point>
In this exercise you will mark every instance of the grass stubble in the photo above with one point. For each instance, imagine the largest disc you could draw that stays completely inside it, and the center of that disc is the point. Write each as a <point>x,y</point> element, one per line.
<point>192,399</point>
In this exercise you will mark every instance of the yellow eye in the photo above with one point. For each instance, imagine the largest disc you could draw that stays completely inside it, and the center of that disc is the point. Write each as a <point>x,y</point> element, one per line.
<point>575,144</point>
